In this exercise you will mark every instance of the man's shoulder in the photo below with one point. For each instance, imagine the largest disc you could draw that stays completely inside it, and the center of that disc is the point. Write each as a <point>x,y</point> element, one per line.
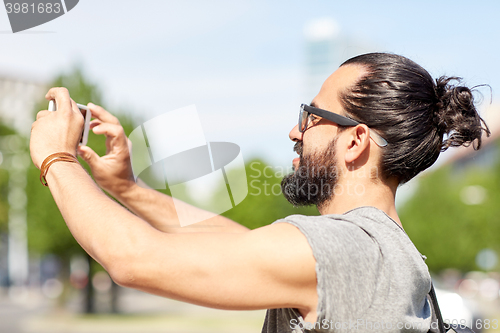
<point>358,232</point>
<point>365,217</point>
<point>333,237</point>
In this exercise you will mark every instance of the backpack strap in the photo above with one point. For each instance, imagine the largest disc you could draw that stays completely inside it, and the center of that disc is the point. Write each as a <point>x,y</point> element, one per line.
<point>437,311</point>
<point>444,327</point>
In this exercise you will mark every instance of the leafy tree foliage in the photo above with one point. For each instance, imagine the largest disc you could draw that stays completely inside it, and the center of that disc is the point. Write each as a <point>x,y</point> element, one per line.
<point>444,227</point>
<point>264,203</point>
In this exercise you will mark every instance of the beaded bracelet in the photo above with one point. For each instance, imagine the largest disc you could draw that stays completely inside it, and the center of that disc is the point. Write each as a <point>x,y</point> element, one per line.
<point>51,159</point>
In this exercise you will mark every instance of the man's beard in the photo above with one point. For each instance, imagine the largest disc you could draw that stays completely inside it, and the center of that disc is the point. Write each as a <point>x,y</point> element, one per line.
<point>313,183</point>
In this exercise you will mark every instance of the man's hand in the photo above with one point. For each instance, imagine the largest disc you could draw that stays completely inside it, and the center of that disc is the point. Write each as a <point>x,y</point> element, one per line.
<point>113,171</point>
<point>55,132</point>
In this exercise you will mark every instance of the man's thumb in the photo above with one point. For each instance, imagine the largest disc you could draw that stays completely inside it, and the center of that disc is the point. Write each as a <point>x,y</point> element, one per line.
<point>87,154</point>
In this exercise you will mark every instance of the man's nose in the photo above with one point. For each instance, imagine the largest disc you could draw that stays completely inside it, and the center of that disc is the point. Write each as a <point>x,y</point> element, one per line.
<point>295,135</point>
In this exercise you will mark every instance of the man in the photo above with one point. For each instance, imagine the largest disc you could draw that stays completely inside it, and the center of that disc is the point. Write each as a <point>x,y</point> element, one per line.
<point>377,121</point>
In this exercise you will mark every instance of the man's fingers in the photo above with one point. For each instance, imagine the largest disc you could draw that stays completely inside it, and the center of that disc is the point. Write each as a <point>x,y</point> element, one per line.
<point>99,113</point>
<point>62,98</point>
<point>75,107</point>
<point>88,155</point>
<point>111,130</point>
<point>94,123</point>
<point>42,114</point>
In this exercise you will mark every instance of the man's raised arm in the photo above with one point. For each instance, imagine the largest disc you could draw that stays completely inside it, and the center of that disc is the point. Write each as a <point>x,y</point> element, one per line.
<point>270,267</point>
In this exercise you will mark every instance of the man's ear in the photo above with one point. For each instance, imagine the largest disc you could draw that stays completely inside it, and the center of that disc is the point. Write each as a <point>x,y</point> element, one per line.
<point>358,144</point>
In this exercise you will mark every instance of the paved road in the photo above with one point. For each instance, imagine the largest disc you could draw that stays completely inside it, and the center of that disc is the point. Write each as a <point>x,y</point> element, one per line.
<point>15,313</point>
<point>141,313</point>
<point>10,317</point>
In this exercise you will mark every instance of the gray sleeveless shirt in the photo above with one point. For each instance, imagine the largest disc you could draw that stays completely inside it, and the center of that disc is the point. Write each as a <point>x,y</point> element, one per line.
<point>370,277</point>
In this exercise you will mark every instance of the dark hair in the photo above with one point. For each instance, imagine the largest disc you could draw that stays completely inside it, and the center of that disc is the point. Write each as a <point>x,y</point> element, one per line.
<point>419,117</point>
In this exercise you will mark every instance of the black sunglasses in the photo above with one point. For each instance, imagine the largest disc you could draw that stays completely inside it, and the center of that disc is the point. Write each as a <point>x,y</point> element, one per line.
<point>307,110</point>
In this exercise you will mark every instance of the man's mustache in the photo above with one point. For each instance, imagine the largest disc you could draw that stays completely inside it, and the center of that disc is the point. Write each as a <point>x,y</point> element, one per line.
<point>298,148</point>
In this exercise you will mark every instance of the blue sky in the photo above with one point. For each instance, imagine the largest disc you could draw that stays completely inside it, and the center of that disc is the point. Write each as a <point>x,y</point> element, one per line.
<point>242,62</point>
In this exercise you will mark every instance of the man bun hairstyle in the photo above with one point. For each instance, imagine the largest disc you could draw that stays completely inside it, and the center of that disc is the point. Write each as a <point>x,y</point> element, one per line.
<point>417,115</point>
<point>456,114</point>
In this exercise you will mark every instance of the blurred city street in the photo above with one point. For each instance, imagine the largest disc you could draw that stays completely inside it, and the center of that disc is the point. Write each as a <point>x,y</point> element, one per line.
<point>140,312</point>
<point>144,313</point>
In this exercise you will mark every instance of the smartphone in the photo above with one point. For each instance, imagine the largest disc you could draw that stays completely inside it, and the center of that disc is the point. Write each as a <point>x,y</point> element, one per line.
<point>86,115</point>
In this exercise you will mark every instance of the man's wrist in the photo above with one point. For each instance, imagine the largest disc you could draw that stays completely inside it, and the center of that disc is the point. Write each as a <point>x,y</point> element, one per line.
<point>41,157</point>
<point>55,158</point>
<point>125,191</point>
<point>60,170</point>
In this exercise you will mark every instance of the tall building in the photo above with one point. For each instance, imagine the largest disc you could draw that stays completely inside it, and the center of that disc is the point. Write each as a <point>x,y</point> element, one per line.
<point>326,47</point>
<point>17,101</point>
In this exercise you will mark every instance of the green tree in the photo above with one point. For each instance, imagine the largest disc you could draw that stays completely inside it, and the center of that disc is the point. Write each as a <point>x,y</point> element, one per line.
<point>264,203</point>
<point>444,227</point>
